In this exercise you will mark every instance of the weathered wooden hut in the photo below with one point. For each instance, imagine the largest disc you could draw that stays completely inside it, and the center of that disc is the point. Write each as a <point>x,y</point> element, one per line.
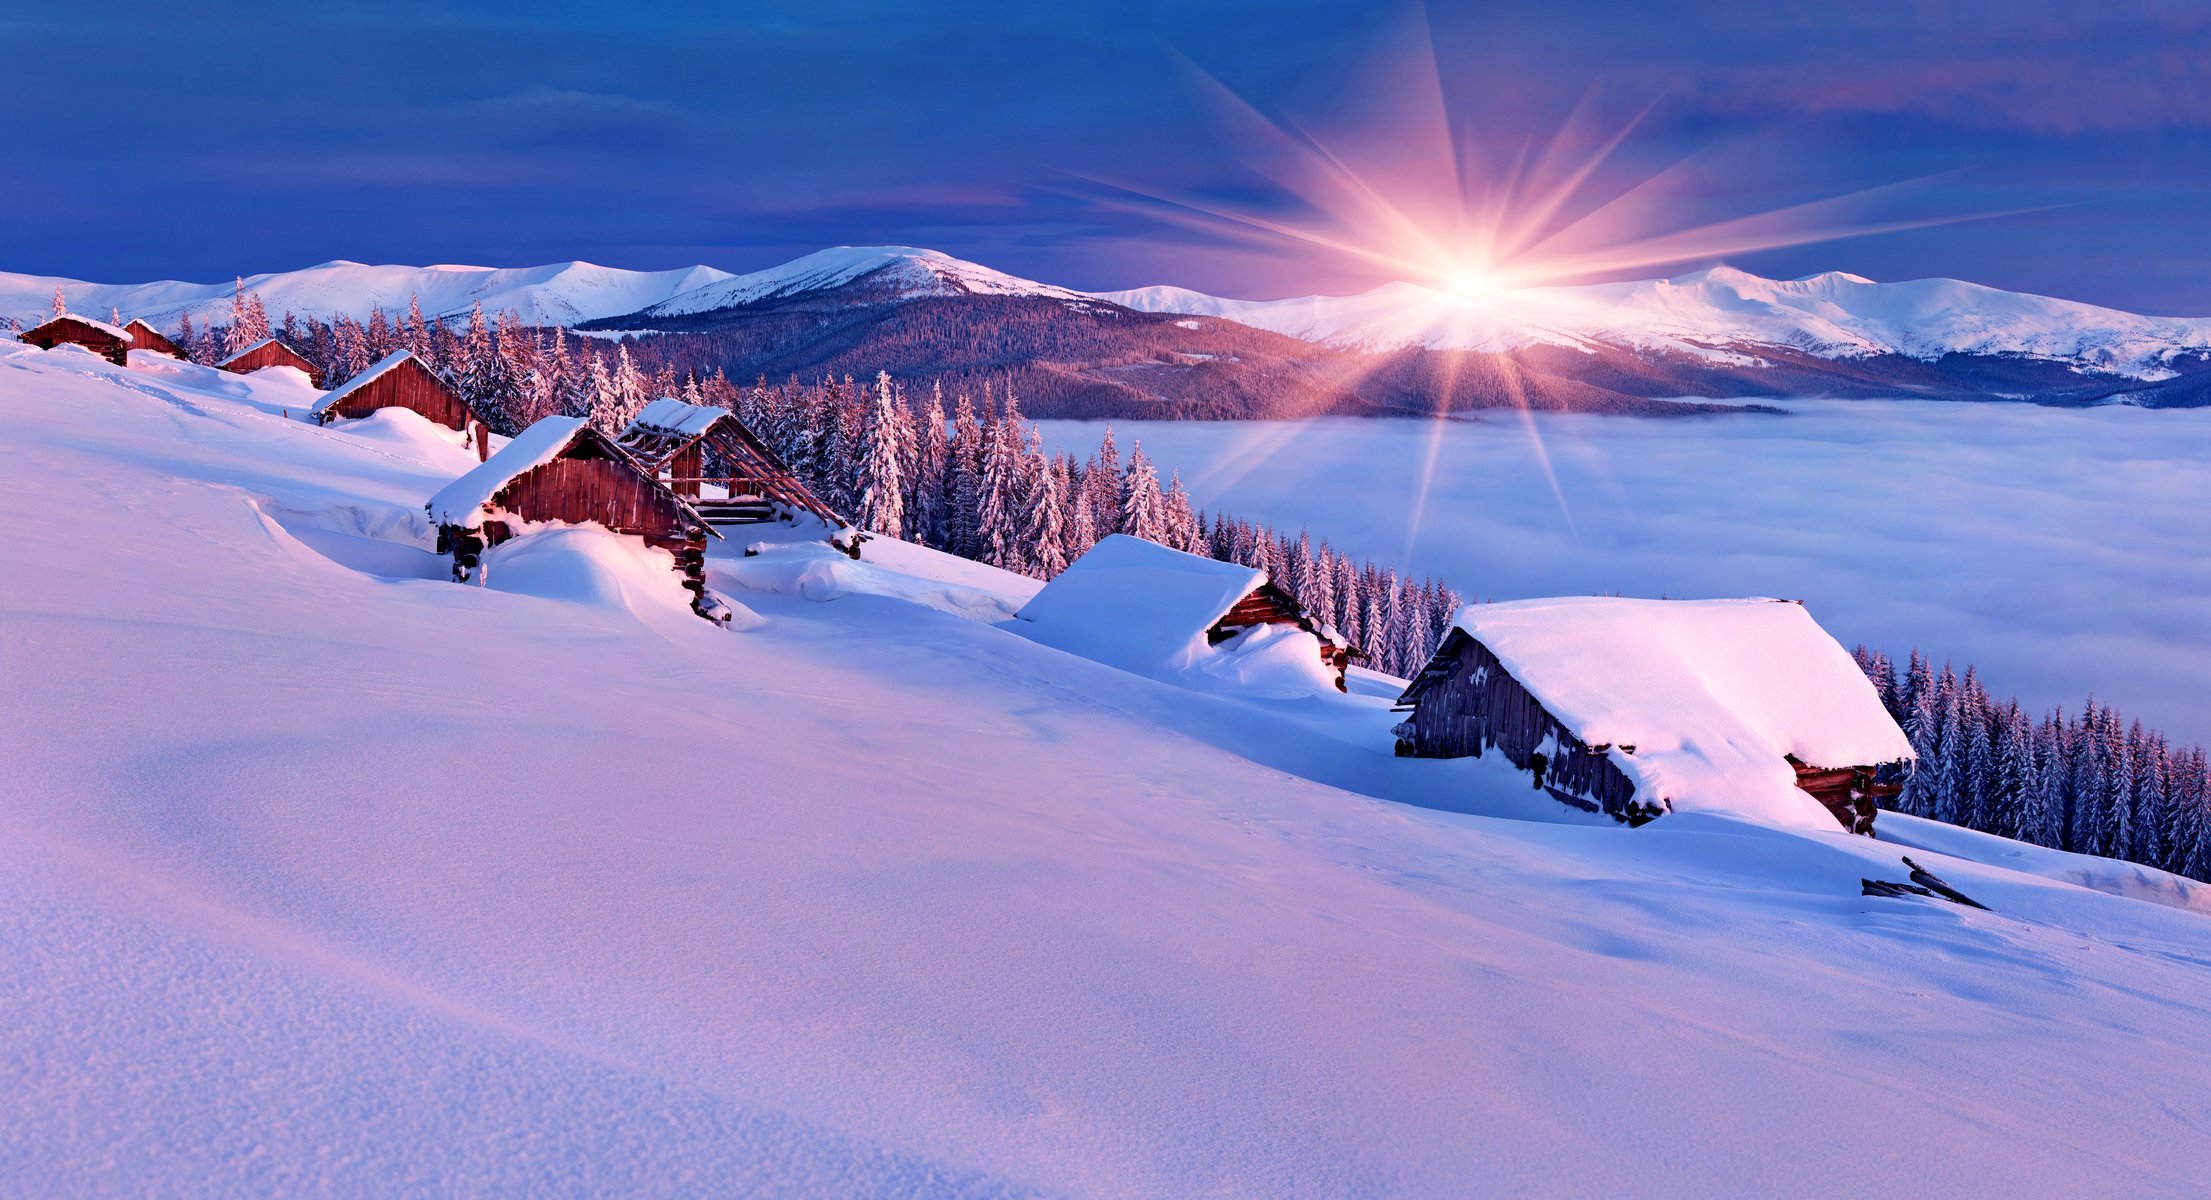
<point>700,450</point>
<point>562,471</point>
<point>401,380</point>
<point>271,352</point>
<point>99,337</point>
<point>145,337</point>
<point>1638,708</point>
<point>1137,604</point>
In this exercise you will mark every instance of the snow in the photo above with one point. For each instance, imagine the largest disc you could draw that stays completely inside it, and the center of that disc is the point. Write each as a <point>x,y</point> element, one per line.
<point>1712,695</point>
<point>365,378</point>
<point>672,416</point>
<point>555,294</point>
<point>905,270</point>
<point>465,501</point>
<point>798,562</point>
<point>1715,313</point>
<point>1956,528</point>
<point>590,567</point>
<point>1137,605</point>
<point>317,878</point>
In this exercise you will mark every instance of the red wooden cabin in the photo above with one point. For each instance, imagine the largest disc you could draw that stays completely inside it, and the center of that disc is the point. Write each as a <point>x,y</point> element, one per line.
<point>402,380</point>
<point>101,338</point>
<point>270,352</point>
<point>561,470</point>
<point>146,337</point>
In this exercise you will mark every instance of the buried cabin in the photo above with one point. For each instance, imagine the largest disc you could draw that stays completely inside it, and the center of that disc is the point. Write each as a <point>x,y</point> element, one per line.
<point>69,329</point>
<point>402,380</point>
<point>562,471</point>
<point>145,337</point>
<point>1141,606</point>
<point>1637,708</point>
<point>271,352</point>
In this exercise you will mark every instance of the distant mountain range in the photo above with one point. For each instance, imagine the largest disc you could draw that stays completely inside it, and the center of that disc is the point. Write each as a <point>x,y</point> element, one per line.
<point>1652,346</point>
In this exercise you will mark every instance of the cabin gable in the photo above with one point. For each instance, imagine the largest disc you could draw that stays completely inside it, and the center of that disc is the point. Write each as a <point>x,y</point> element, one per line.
<point>146,337</point>
<point>409,384</point>
<point>271,353</point>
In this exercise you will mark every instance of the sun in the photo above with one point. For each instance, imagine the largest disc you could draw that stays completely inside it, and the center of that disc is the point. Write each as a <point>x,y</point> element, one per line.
<point>1469,286</point>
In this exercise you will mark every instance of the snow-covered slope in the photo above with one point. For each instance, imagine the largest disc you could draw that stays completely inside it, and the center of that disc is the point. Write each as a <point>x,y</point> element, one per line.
<point>900,272</point>
<point>319,873</point>
<point>1722,312</point>
<point>557,294</point>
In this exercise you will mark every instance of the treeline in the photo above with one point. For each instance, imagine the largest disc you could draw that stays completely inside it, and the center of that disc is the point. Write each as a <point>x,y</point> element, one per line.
<point>2093,783</point>
<point>977,481</point>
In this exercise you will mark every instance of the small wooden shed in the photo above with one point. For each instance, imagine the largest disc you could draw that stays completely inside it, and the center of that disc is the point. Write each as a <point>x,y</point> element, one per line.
<point>401,380</point>
<point>99,337</point>
<point>1145,607</point>
<point>1637,708</point>
<point>696,448</point>
<point>146,337</point>
<point>271,352</point>
<point>561,470</point>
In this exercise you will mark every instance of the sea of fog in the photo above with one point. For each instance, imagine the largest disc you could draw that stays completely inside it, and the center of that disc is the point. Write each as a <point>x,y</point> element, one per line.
<point>2064,551</point>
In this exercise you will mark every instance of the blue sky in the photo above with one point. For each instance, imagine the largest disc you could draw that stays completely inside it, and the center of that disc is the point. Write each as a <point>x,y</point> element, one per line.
<point>196,141</point>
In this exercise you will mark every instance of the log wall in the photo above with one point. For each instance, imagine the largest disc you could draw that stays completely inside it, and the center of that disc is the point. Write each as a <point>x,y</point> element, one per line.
<point>71,333</point>
<point>409,385</point>
<point>273,354</point>
<point>1476,705</point>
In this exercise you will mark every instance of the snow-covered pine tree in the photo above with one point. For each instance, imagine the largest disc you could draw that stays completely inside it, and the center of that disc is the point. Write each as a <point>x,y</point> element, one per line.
<point>1143,509</point>
<point>602,399</point>
<point>1319,592</point>
<point>629,387</point>
<point>2014,778</point>
<point>998,518</point>
<point>925,490</point>
<point>1045,529</point>
<point>415,333</point>
<point>882,506</point>
<point>2089,754</point>
<point>964,481</point>
<point>187,339</point>
<point>61,304</point>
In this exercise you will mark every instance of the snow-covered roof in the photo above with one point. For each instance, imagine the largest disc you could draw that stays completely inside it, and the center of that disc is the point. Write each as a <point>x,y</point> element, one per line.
<point>1712,694</point>
<point>1137,604</point>
<point>673,417</point>
<point>462,501</point>
<point>360,381</point>
<point>102,326</point>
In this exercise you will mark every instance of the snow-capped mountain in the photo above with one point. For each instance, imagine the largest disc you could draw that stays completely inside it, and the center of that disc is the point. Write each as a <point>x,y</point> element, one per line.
<point>892,272</point>
<point>555,294</point>
<point>1723,314</point>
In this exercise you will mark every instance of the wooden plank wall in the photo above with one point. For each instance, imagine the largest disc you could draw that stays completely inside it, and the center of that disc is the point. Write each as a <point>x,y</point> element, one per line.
<point>597,489</point>
<point>275,354</point>
<point>72,334</point>
<point>1479,706</point>
<point>409,385</point>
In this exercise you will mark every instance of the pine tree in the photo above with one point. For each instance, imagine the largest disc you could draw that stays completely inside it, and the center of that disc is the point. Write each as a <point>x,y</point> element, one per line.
<point>1045,530</point>
<point>61,305</point>
<point>999,517</point>
<point>602,399</point>
<point>964,482</point>
<point>882,506</point>
<point>932,452</point>
<point>1143,509</point>
<point>415,333</point>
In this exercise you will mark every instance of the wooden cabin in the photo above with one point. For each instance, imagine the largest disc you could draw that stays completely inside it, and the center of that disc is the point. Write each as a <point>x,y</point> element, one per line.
<point>402,380</point>
<point>270,352</point>
<point>696,448</point>
<point>99,337</point>
<point>1142,606</point>
<point>146,337</point>
<point>1638,708</point>
<point>561,470</point>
